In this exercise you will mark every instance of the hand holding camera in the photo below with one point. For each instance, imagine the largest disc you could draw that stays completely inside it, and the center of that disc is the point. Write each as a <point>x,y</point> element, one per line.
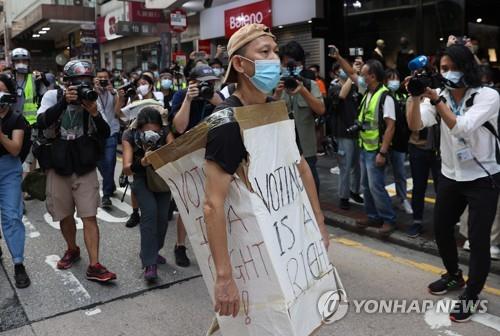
<point>333,52</point>
<point>192,91</point>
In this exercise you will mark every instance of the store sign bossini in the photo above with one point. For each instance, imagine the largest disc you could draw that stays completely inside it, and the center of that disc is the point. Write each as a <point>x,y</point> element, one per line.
<point>279,261</point>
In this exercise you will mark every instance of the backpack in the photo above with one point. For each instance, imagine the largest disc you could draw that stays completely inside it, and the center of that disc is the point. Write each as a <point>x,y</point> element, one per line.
<point>26,147</point>
<point>401,130</point>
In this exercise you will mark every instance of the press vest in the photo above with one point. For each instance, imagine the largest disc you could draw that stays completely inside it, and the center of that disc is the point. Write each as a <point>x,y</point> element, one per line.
<point>369,138</point>
<point>29,107</point>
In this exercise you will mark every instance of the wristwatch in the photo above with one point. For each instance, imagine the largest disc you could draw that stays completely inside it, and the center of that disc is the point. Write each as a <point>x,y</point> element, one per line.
<point>437,101</point>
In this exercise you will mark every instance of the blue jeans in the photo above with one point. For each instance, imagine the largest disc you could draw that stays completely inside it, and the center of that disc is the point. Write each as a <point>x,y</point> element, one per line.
<point>422,162</point>
<point>11,206</point>
<point>107,165</point>
<point>377,201</point>
<point>349,167</point>
<point>398,169</point>
<point>311,161</point>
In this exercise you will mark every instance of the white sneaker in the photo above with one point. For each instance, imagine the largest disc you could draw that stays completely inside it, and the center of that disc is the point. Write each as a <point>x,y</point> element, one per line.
<point>495,252</point>
<point>335,170</point>
<point>466,246</point>
<point>407,207</point>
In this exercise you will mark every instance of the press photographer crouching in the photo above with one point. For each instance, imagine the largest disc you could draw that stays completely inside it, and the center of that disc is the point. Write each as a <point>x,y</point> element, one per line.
<point>13,126</point>
<point>148,135</point>
<point>74,132</point>
<point>468,118</point>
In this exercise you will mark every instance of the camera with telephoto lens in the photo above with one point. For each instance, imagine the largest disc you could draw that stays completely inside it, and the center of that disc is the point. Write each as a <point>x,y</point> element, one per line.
<point>7,99</point>
<point>103,83</point>
<point>130,90</point>
<point>291,78</point>
<point>206,90</point>
<point>356,128</point>
<point>423,76</point>
<point>86,92</point>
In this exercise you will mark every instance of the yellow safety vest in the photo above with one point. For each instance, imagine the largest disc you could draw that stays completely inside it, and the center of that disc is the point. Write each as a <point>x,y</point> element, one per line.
<point>369,138</point>
<point>30,107</point>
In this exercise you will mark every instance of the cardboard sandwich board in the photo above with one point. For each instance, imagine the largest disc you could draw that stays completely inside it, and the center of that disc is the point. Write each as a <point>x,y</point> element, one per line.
<point>279,261</point>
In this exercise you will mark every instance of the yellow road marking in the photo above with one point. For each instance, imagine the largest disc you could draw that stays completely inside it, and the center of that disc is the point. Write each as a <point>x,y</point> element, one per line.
<point>402,261</point>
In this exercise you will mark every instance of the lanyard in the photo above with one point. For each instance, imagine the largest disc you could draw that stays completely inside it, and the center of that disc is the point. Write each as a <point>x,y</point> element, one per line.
<point>457,110</point>
<point>104,103</point>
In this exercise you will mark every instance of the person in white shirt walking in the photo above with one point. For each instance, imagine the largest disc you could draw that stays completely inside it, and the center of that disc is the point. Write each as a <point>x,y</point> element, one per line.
<point>468,117</point>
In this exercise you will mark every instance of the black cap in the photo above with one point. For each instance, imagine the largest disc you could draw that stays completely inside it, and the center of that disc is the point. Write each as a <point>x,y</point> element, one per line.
<point>202,73</point>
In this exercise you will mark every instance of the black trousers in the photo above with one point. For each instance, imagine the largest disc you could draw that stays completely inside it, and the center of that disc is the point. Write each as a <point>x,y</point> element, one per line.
<point>452,198</point>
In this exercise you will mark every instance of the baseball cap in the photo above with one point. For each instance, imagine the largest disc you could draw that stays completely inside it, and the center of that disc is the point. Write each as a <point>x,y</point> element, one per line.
<point>202,73</point>
<point>241,38</point>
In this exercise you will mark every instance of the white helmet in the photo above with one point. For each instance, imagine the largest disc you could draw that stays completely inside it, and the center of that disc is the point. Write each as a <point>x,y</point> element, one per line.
<point>20,54</point>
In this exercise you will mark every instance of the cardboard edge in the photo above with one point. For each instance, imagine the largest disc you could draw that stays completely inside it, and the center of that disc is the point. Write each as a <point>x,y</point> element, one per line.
<point>252,116</point>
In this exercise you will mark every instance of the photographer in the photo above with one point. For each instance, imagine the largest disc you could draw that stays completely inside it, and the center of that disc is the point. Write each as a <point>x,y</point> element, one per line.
<point>148,135</point>
<point>75,129</point>
<point>110,107</point>
<point>192,105</point>
<point>12,128</point>
<point>376,126</point>
<point>345,97</point>
<point>198,102</point>
<point>468,117</point>
<point>303,100</point>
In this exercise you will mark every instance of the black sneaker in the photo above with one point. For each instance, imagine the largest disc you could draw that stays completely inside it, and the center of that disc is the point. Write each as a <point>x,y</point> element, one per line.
<point>181,258</point>
<point>21,277</point>
<point>464,308</point>
<point>357,198</point>
<point>344,204</point>
<point>106,202</point>
<point>447,283</point>
<point>415,230</point>
<point>134,219</point>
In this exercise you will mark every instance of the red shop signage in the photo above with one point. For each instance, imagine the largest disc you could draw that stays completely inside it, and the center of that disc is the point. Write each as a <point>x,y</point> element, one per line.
<point>257,12</point>
<point>139,13</point>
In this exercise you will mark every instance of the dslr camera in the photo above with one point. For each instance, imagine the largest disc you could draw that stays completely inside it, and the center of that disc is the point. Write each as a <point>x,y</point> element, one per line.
<point>7,99</point>
<point>129,89</point>
<point>423,76</point>
<point>356,128</point>
<point>85,91</point>
<point>150,140</point>
<point>291,78</point>
<point>206,90</point>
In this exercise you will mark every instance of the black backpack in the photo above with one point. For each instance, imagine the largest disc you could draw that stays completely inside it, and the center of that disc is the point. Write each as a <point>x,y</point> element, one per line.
<point>402,131</point>
<point>26,147</point>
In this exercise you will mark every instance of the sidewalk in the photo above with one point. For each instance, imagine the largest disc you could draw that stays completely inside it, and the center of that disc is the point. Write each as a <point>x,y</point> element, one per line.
<point>347,219</point>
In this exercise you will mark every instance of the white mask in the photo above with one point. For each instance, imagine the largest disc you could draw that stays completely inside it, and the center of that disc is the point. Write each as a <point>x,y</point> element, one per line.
<point>143,89</point>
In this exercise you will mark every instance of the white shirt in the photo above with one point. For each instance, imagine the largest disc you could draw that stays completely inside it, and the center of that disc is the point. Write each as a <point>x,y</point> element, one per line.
<point>469,129</point>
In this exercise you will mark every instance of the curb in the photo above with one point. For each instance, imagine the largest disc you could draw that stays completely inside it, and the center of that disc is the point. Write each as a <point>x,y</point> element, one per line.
<point>398,238</point>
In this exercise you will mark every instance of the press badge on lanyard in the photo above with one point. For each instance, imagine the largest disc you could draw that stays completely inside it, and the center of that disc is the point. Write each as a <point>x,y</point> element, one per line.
<point>464,154</point>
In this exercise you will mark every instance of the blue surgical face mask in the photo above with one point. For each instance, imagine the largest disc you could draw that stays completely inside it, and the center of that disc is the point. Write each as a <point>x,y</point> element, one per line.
<point>342,74</point>
<point>362,83</point>
<point>455,77</point>
<point>267,74</point>
<point>393,85</point>
<point>217,71</point>
<point>166,84</point>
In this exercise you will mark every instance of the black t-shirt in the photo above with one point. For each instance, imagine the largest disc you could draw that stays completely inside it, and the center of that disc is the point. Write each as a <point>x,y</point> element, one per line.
<point>344,111</point>
<point>225,144</point>
<point>9,125</point>
<point>200,109</point>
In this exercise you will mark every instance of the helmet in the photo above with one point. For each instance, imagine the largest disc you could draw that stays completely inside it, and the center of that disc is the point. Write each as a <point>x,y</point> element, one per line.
<point>20,54</point>
<point>78,68</point>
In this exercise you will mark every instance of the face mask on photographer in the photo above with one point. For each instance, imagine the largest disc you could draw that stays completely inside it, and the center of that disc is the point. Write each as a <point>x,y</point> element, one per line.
<point>267,74</point>
<point>394,85</point>
<point>166,84</point>
<point>455,77</point>
<point>362,83</point>
<point>218,71</point>
<point>342,74</point>
<point>21,68</point>
<point>143,89</point>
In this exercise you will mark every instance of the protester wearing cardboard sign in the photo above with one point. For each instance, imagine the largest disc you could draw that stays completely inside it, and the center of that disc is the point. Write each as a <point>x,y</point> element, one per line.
<point>255,67</point>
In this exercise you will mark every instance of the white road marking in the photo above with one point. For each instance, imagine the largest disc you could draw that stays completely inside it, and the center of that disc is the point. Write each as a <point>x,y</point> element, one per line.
<point>437,320</point>
<point>55,225</point>
<point>31,230</point>
<point>391,188</point>
<point>74,286</point>
<point>335,170</point>
<point>93,312</point>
